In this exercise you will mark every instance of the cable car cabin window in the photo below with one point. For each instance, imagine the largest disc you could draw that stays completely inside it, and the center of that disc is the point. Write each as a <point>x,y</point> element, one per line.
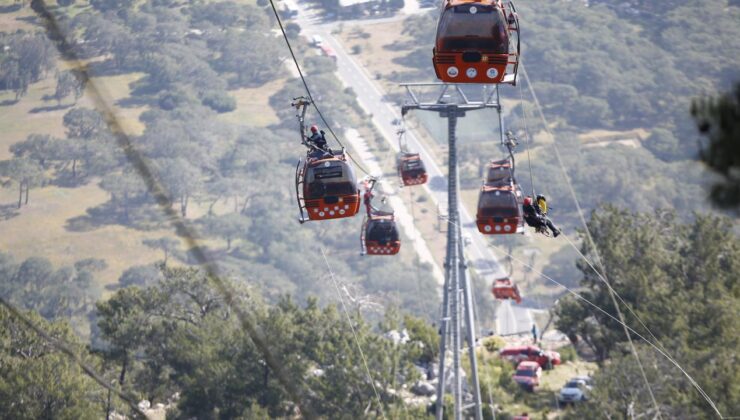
<point>501,205</point>
<point>485,30</point>
<point>498,175</point>
<point>411,165</point>
<point>336,179</point>
<point>383,231</point>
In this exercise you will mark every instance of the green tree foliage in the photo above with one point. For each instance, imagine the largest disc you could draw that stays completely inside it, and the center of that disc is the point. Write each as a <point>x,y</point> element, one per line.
<point>186,338</point>
<point>719,121</point>
<point>88,142</point>
<point>66,292</point>
<point>681,280</point>
<point>24,59</point>
<point>25,173</point>
<point>165,244</point>
<point>36,380</point>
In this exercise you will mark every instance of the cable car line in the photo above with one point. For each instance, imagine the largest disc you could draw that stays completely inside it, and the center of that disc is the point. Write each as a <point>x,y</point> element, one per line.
<point>613,318</point>
<point>612,292</point>
<point>665,354</point>
<point>308,90</point>
<point>63,347</point>
<point>293,386</point>
<point>526,138</point>
<point>354,334</point>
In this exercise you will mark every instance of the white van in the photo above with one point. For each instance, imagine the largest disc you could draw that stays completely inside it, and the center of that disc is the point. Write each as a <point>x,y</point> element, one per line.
<point>317,40</point>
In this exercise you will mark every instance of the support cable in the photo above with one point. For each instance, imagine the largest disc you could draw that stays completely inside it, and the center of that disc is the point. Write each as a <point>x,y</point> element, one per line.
<point>354,334</point>
<point>662,352</point>
<point>526,138</point>
<point>308,90</point>
<point>65,348</point>
<point>612,292</point>
<point>292,385</point>
<point>627,327</point>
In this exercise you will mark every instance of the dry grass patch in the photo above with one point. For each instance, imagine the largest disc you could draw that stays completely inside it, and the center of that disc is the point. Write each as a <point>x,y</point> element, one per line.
<point>252,105</point>
<point>40,229</point>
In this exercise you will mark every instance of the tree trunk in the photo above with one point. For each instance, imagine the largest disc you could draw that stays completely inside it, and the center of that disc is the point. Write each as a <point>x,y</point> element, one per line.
<point>74,168</point>
<point>166,255</point>
<point>184,205</point>
<point>20,194</point>
<point>122,378</point>
<point>28,187</point>
<point>228,243</point>
<point>210,207</point>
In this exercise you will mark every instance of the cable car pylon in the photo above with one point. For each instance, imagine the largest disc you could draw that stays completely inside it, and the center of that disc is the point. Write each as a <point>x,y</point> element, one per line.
<point>452,102</point>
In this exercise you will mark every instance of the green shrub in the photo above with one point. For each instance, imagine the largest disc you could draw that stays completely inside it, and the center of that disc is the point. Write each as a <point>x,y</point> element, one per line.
<point>219,101</point>
<point>568,354</point>
<point>493,344</point>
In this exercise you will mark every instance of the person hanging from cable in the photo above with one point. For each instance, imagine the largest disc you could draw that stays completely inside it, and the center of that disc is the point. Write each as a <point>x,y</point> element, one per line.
<point>535,214</point>
<point>368,199</point>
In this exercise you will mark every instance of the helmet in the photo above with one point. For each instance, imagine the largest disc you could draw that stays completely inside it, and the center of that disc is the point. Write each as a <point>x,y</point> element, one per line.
<point>527,201</point>
<point>314,128</point>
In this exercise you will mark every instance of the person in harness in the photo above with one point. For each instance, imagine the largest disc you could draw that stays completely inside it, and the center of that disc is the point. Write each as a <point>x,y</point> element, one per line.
<point>367,199</point>
<point>317,142</point>
<point>535,214</point>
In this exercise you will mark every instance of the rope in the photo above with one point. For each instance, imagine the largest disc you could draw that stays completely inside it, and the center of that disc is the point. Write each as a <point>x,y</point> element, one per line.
<point>65,348</point>
<point>612,292</point>
<point>612,317</point>
<point>609,286</point>
<point>623,324</point>
<point>354,333</point>
<point>308,90</point>
<point>526,138</point>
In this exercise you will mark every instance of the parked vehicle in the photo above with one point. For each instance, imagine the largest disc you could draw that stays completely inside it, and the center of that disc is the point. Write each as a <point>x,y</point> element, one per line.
<point>545,358</point>
<point>328,52</point>
<point>317,40</point>
<point>528,375</point>
<point>576,390</point>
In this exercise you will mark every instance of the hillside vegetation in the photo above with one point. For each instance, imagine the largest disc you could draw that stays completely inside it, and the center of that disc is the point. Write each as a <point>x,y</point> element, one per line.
<point>201,92</point>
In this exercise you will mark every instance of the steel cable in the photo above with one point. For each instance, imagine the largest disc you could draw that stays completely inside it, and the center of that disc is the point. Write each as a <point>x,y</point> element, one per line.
<point>143,168</point>
<point>308,90</point>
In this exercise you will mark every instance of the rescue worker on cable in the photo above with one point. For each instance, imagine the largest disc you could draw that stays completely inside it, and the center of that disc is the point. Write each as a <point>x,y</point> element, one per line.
<point>367,199</point>
<point>317,142</point>
<point>535,214</point>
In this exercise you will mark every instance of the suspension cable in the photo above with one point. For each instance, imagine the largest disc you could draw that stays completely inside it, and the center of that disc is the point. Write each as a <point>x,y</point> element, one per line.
<point>354,333</point>
<point>620,322</point>
<point>612,292</point>
<point>65,348</point>
<point>294,386</point>
<point>308,90</point>
<point>613,318</point>
<point>526,137</point>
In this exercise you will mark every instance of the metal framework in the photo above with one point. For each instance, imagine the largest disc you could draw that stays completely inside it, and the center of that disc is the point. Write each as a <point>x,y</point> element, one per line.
<point>452,102</point>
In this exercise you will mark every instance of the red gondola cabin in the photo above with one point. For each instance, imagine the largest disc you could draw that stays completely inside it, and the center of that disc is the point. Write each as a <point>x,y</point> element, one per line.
<point>499,210</point>
<point>477,42</point>
<point>326,188</point>
<point>380,236</point>
<point>505,289</point>
<point>411,169</point>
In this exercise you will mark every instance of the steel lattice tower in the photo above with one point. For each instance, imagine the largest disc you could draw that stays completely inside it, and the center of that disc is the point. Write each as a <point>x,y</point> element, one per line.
<point>451,102</point>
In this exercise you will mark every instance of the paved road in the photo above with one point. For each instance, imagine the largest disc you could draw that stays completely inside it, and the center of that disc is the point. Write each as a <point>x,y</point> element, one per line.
<point>510,319</point>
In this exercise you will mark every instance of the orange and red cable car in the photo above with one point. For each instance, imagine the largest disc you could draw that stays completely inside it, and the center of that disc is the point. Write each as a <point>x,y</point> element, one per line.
<point>411,169</point>
<point>477,42</point>
<point>504,288</point>
<point>326,188</point>
<point>379,234</point>
<point>500,201</point>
